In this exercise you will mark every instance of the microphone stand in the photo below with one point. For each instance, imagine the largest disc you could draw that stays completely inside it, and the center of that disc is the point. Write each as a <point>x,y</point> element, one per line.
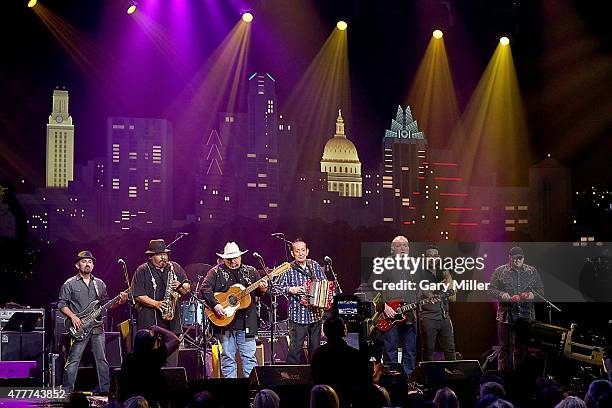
<point>328,265</point>
<point>178,237</point>
<point>273,305</point>
<point>132,303</point>
<point>281,236</point>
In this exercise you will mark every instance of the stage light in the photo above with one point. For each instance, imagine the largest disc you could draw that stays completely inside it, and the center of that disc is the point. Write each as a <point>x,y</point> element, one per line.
<point>247,17</point>
<point>437,34</point>
<point>132,8</point>
<point>32,3</point>
<point>504,41</point>
<point>342,25</point>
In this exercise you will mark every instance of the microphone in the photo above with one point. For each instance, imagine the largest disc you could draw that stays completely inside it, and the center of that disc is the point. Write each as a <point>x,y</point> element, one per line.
<point>256,255</point>
<point>184,234</point>
<point>121,261</point>
<point>277,234</point>
<point>327,259</point>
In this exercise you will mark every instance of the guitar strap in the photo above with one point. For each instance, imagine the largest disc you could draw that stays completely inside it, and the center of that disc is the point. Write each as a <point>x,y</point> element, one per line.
<point>95,283</point>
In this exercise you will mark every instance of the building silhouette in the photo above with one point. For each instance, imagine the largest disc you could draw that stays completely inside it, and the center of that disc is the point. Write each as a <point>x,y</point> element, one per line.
<point>60,142</point>
<point>139,173</point>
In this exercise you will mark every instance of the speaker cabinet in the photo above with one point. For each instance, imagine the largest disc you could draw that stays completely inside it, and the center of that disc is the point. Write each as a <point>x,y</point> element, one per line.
<point>462,376</point>
<point>27,346</point>
<point>292,383</point>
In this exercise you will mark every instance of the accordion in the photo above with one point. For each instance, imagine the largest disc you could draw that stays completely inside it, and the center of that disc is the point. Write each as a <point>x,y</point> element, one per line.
<point>319,294</point>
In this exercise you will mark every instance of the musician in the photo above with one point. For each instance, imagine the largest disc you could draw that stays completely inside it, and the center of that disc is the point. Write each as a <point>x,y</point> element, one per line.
<point>240,334</point>
<point>149,289</point>
<point>75,295</point>
<point>303,320</point>
<point>515,286</point>
<point>434,319</point>
<point>401,335</point>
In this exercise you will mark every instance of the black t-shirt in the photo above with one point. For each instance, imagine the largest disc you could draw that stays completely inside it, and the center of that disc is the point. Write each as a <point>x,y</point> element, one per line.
<point>142,285</point>
<point>141,375</point>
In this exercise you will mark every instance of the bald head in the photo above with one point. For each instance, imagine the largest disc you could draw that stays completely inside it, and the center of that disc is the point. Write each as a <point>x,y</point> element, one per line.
<point>399,245</point>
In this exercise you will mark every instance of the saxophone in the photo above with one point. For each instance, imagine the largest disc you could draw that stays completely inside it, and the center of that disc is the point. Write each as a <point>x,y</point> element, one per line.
<point>170,297</point>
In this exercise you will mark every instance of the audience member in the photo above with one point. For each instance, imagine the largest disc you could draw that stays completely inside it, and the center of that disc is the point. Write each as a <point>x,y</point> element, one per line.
<point>571,402</point>
<point>340,366</point>
<point>446,398</point>
<point>323,396</point>
<point>605,401</point>
<point>491,388</point>
<point>141,371</point>
<point>501,403</point>
<point>136,402</point>
<point>266,399</point>
<point>204,399</point>
<point>77,400</point>
<point>596,390</point>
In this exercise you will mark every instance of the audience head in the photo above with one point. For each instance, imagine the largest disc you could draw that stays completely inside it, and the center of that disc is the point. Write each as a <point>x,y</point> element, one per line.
<point>596,390</point>
<point>446,398</point>
<point>571,402</point>
<point>605,401</point>
<point>492,388</point>
<point>136,402</point>
<point>551,396</point>
<point>78,400</point>
<point>501,403</point>
<point>145,341</point>
<point>323,396</point>
<point>334,328</point>
<point>203,399</point>
<point>266,399</point>
<point>491,376</point>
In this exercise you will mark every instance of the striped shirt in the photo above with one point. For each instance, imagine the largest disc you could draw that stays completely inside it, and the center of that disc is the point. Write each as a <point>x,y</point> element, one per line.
<point>297,276</point>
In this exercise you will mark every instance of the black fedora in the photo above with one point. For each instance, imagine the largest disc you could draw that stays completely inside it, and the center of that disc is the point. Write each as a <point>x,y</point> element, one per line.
<point>84,255</point>
<point>157,246</point>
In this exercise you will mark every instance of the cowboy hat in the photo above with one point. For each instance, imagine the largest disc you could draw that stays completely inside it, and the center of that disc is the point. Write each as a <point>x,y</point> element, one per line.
<point>231,251</point>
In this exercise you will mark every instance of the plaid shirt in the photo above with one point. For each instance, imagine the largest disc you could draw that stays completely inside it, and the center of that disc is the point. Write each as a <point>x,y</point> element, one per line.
<point>297,276</point>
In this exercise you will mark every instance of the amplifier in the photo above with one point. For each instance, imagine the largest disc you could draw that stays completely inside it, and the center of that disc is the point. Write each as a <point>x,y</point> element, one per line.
<point>279,375</point>
<point>37,323</point>
<point>29,346</point>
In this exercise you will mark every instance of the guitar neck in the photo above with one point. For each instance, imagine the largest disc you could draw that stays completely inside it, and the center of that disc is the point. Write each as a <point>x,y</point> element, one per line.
<point>109,304</point>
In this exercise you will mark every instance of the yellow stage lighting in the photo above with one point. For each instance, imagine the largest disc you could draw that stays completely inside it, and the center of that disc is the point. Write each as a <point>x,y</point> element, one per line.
<point>504,41</point>
<point>32,3</point>
<point>131,9</point>
<point>247,17</point>
<point>342,25</point>
<point>437,34</point>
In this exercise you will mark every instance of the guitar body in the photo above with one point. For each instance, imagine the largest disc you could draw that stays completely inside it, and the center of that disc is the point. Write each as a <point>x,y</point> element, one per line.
<point>87,323</point>
<point>385,324</point>
<point>233,300</point>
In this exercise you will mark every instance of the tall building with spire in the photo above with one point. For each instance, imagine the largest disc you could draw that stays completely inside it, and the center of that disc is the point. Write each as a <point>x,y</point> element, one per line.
<point>405,187</point>
<point>60,143</point>
<point>341,163</point>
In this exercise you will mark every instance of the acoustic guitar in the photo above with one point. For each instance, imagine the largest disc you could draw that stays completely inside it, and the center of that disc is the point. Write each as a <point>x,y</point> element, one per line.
<point>238,297</point>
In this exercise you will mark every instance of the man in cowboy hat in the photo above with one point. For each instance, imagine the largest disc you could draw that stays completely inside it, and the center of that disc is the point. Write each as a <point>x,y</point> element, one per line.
<point>75,295</point>
<point>240,334</point>
<point>149,288</point>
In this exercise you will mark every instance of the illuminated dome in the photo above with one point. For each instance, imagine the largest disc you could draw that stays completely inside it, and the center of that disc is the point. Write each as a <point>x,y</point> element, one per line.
<point>341,163</point>
<point>339,149</point>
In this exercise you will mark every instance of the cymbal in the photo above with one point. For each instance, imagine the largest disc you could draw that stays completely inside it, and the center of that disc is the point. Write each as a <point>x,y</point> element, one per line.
<point>196,271</point>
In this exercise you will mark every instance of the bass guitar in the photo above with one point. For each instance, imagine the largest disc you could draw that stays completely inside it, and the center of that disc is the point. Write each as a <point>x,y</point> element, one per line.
<point>90,318</point>
<point>384,324</point>
<point>238,297</point>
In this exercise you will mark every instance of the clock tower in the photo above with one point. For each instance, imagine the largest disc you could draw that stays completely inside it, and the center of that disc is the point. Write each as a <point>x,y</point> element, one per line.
<point>60,143</point>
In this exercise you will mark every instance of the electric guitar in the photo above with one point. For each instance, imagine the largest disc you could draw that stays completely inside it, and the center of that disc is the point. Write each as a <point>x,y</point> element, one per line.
<point>90,317</point>
<point>384,324</point>
<point>238,297</point>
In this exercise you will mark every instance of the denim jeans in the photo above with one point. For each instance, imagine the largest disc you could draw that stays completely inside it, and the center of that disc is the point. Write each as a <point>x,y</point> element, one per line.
<point>400,336</point>
<point>232,340</point>
<point>74,358</point>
